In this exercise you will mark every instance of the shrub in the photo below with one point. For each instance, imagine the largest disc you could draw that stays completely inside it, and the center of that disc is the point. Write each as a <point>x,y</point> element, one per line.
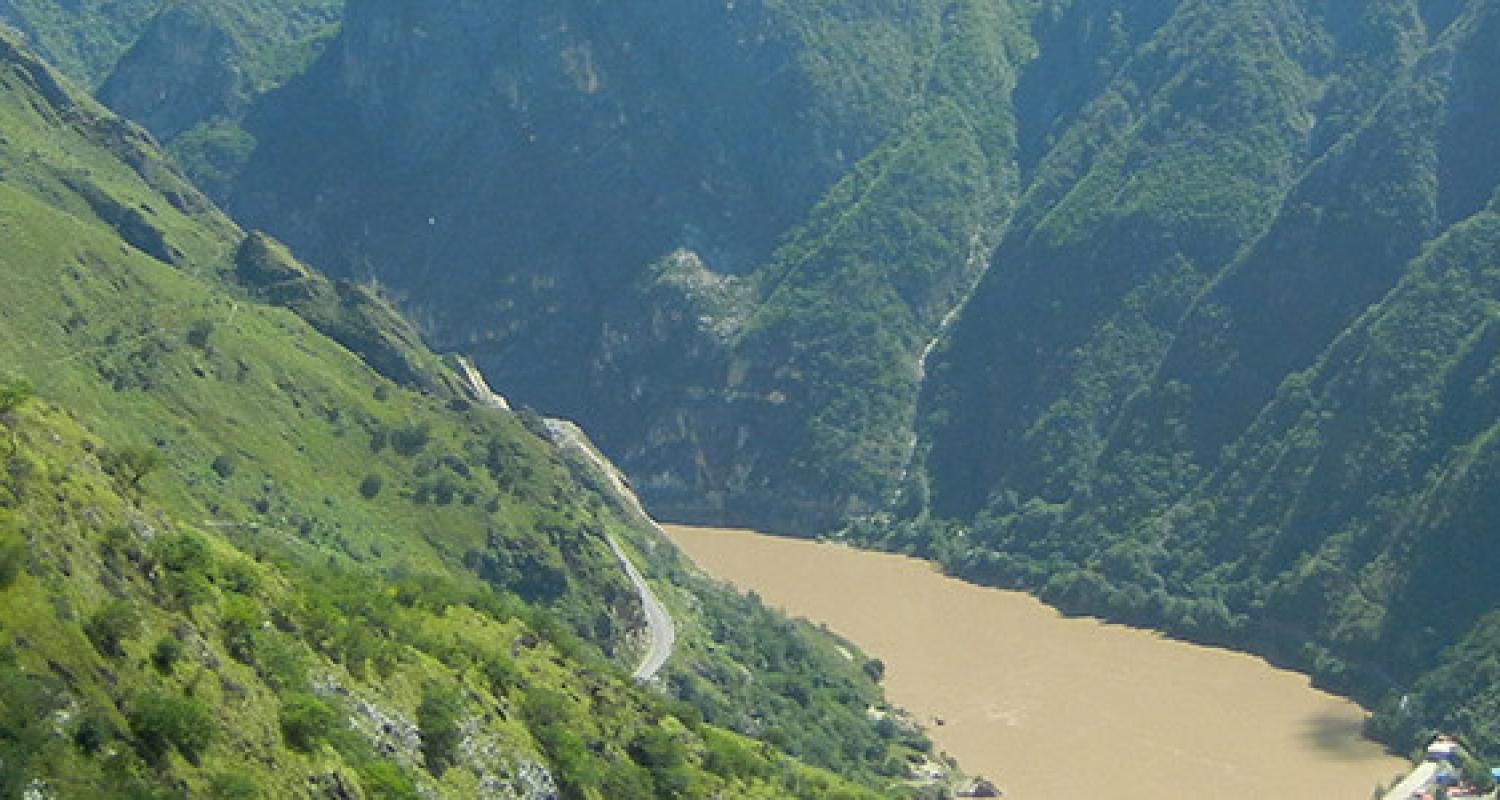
<point>111,625</point>
<point>190,568</point>
<point>91,732</point>
<point>240,576</point>
<point>199,332</point>
<point>223,465</point>
<point>240,622</point>
<point>306,720</point>
<point>370,486</point>
<point>280,661</point>
<point>234,786</point>
<point>132,464</point>
<point>384,780</point>
<point>438,720</point>
<point>166,654</point>
<point>13,395</point>
<point>162,721</point>
<point>409,439</point>
<point>12,560</point>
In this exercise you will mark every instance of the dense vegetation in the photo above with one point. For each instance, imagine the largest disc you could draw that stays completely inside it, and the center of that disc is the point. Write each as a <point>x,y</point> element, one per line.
<point>749,172</point>
<point>1208,286</point>
<point>1231,370</point>
<point>237,560</point>
<point>1196,386</point>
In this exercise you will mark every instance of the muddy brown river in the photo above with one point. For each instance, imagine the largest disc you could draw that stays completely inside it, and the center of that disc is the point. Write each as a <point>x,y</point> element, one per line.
<point>1055,707</point>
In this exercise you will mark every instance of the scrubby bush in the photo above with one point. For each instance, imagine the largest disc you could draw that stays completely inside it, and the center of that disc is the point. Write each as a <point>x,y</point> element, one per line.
<point>199,332</point>
<point>664,755</point>
<point>162,721</point>
<point>166,654</point>
<point>13,395</point>
<point>12,560</point>
<point>91,731</point>
<point>438,720</point>
<point>131,464</point>
<point>223,465</point>
<point>371,486</point>
<point>234,786</point>
<point>189,567</point>
<point>409,439</point>
<point>280,661</point>
<point>240,576</point>
<point>111,625</point>
<point>306,720</point>
<point>383,780</point>
<point>240,622</point>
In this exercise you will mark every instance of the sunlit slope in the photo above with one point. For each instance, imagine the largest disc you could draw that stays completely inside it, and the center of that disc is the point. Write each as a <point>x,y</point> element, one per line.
<point>238,561</point>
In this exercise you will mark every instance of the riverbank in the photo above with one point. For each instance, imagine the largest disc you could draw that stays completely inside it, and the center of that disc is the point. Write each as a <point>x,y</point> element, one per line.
<point>1050,706</point>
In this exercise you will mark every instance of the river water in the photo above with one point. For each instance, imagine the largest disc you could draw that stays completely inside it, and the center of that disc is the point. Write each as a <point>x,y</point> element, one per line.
<point>1055,707</point>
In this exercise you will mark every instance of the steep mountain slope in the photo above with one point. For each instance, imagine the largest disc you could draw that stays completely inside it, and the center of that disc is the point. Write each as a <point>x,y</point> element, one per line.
<point>1174,311</point>
<point>531,176</point>
<point>198,66</point>
<point>82,38</point>
<point>237,561</point>
<point>1260,412</point>
<point>186,69</point>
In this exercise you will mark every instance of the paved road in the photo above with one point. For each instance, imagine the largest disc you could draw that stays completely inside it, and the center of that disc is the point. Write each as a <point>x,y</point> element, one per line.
<point>661,634</point>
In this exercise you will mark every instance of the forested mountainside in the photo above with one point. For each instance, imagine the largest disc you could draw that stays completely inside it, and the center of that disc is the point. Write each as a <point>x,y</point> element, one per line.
<point>718,235</point>
<point>1179,312</point>
<point>238,561</point>
<point>186,69</point>
<point>1231,370</point>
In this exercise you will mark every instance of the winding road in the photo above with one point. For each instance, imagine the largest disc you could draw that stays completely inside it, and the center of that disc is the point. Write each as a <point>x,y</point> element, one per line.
<point>661,634</point>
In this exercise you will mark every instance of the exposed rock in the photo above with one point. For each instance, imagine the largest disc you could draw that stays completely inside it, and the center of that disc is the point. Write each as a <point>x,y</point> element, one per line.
<point>180,72</point>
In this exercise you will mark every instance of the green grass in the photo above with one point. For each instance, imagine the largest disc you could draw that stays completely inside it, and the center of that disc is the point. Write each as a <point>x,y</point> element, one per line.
<point>189,465</point>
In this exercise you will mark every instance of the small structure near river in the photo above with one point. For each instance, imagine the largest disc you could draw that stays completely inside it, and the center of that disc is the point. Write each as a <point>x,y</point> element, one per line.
<point>1440,775</point>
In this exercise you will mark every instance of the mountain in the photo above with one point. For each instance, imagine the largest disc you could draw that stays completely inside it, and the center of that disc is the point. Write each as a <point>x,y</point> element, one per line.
<point>662,221</point>
<point>257,541</point>
<point>1174,312</point>
<point>82,38</point>
<point>187,69</point>
<point>1227,373</point>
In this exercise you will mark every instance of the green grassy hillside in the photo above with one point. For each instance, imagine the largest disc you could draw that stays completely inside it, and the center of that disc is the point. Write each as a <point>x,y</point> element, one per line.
<point>1177,312</point>
<point>236,560</point>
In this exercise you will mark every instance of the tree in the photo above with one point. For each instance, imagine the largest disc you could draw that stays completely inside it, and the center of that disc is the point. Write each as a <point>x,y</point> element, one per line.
<point>162,721</point>
<point>13,556</point>
<point>438,719</point>
<point>306,720</point>
<point>112,625</point>
<point>13,395</point>
<point>132,464</point>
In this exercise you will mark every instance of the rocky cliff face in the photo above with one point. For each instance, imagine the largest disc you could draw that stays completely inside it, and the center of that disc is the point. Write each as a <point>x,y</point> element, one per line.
<point>529,175</point>
<point>181,71</point>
